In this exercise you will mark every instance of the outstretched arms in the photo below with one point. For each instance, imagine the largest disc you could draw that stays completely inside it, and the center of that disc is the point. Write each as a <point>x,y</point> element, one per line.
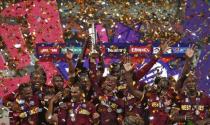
<point>188,55</point>
<point>82,55</point>
<point>50,116</point>
<point>145,69</point>
<point>129,78</point>
<point>69,56</point>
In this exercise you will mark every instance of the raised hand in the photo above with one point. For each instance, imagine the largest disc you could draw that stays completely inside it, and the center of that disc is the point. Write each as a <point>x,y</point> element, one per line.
<point>164,47</point>
<point>56,97</point>
<point>128,67</point>
<point>85,46</point>
<point>95,115</point>
<point>190,51</point>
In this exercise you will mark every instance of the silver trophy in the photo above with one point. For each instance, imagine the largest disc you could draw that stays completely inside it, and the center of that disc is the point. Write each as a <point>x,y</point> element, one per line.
<point>93,36</point>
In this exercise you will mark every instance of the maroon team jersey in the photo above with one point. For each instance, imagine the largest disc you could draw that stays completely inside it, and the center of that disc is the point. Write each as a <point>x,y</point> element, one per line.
<point>156,112</point>
<point>26,112</point>
<point>197,106</point>
<point>79,113</point>
<point>111,109</point>
<point>159,106</point>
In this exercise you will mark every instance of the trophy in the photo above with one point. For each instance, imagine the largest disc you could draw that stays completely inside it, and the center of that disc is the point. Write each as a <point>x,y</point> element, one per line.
<point>93,36</point>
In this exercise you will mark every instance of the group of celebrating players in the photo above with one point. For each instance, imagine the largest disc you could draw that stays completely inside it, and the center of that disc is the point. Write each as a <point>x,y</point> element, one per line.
<point>119,98</point>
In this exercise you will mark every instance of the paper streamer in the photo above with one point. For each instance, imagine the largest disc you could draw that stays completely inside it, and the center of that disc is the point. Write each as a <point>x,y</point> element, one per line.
<point>50,71</point>
<point>44,25</point>
<point>9,85</point>
<point>15,44</point>
<point>125,34</point>
<point>101,34</point>
<point>42,17</point>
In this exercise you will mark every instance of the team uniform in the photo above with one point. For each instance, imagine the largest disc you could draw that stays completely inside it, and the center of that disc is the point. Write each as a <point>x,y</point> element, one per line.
<point>26,112</point>
<point>110,108</point>
<point>80,113</point>
<point>197,106</point>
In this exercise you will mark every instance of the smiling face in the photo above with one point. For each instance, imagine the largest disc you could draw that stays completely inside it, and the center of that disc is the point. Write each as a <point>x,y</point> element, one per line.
<point>26,91</point>
<point>163,83</point>
<point>115,69</point>
<point>58,82</point>
<point>109,84</point>
<point>38,79</point>
<point>190,83</point>
<point>85,81</point>
<point>76,93</point>
<point>172,81</point>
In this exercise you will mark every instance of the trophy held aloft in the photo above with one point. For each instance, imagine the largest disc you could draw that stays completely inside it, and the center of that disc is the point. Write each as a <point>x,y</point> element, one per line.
<point>93,38</point>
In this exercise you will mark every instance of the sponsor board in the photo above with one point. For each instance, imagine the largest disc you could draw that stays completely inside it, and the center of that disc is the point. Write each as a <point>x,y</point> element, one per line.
<point>139,50</point>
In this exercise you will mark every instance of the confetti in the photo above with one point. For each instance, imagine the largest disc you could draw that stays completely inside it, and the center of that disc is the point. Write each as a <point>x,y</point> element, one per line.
<point>42,21</point>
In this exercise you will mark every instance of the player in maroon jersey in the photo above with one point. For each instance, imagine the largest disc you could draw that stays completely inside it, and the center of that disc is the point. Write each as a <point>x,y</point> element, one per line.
<point>193,105</point>
<point>25,109</point>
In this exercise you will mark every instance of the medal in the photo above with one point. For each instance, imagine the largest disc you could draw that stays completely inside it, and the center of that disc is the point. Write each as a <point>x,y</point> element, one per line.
<point>119,111</point>
<point>84,105</point>
<point>151,118</point>
<point>21,101</point>
<point>197,99</point>
<point>186,99</point>
<point>160,105</point>
<point>22,107</point>
<point>130,107</point>
<point>109,109</point>
<point>197,112</point>
<point>40,95</point>
<point>73,119</point>
<point>31,103</point>
<point>72,115</point>
<point>63,120</point>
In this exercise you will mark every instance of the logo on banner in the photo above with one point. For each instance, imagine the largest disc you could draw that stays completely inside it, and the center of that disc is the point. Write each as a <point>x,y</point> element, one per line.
<point>157,49</point>
<point>139,50</point>
<point>115,49</point>
<point>75,50</point>
<point>179,49</point>
<point>48,50</point>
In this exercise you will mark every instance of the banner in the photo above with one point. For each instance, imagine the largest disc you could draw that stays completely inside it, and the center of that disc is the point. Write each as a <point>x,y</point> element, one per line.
<point>125,34</point>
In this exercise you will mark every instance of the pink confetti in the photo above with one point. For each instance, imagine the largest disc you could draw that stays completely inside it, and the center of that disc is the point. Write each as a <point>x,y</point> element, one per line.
<point>102,33</point>
<point>15,44</point>
<point>50,71</point>
<point>9,85</point>
<point>42,17</point>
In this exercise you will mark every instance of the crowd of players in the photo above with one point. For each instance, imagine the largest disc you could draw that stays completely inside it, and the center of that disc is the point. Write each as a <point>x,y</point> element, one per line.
<point>119,98</point>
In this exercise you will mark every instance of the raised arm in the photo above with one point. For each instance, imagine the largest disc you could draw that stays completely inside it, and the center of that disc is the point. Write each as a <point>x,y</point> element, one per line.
<point>145,69</point>
<point>187,66</point>
<point>101,65</point>
<point>129,79</point>
<point>50,116</point>
<point>82,55</point>
<point>96,70</point>
<point>69,56</point>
